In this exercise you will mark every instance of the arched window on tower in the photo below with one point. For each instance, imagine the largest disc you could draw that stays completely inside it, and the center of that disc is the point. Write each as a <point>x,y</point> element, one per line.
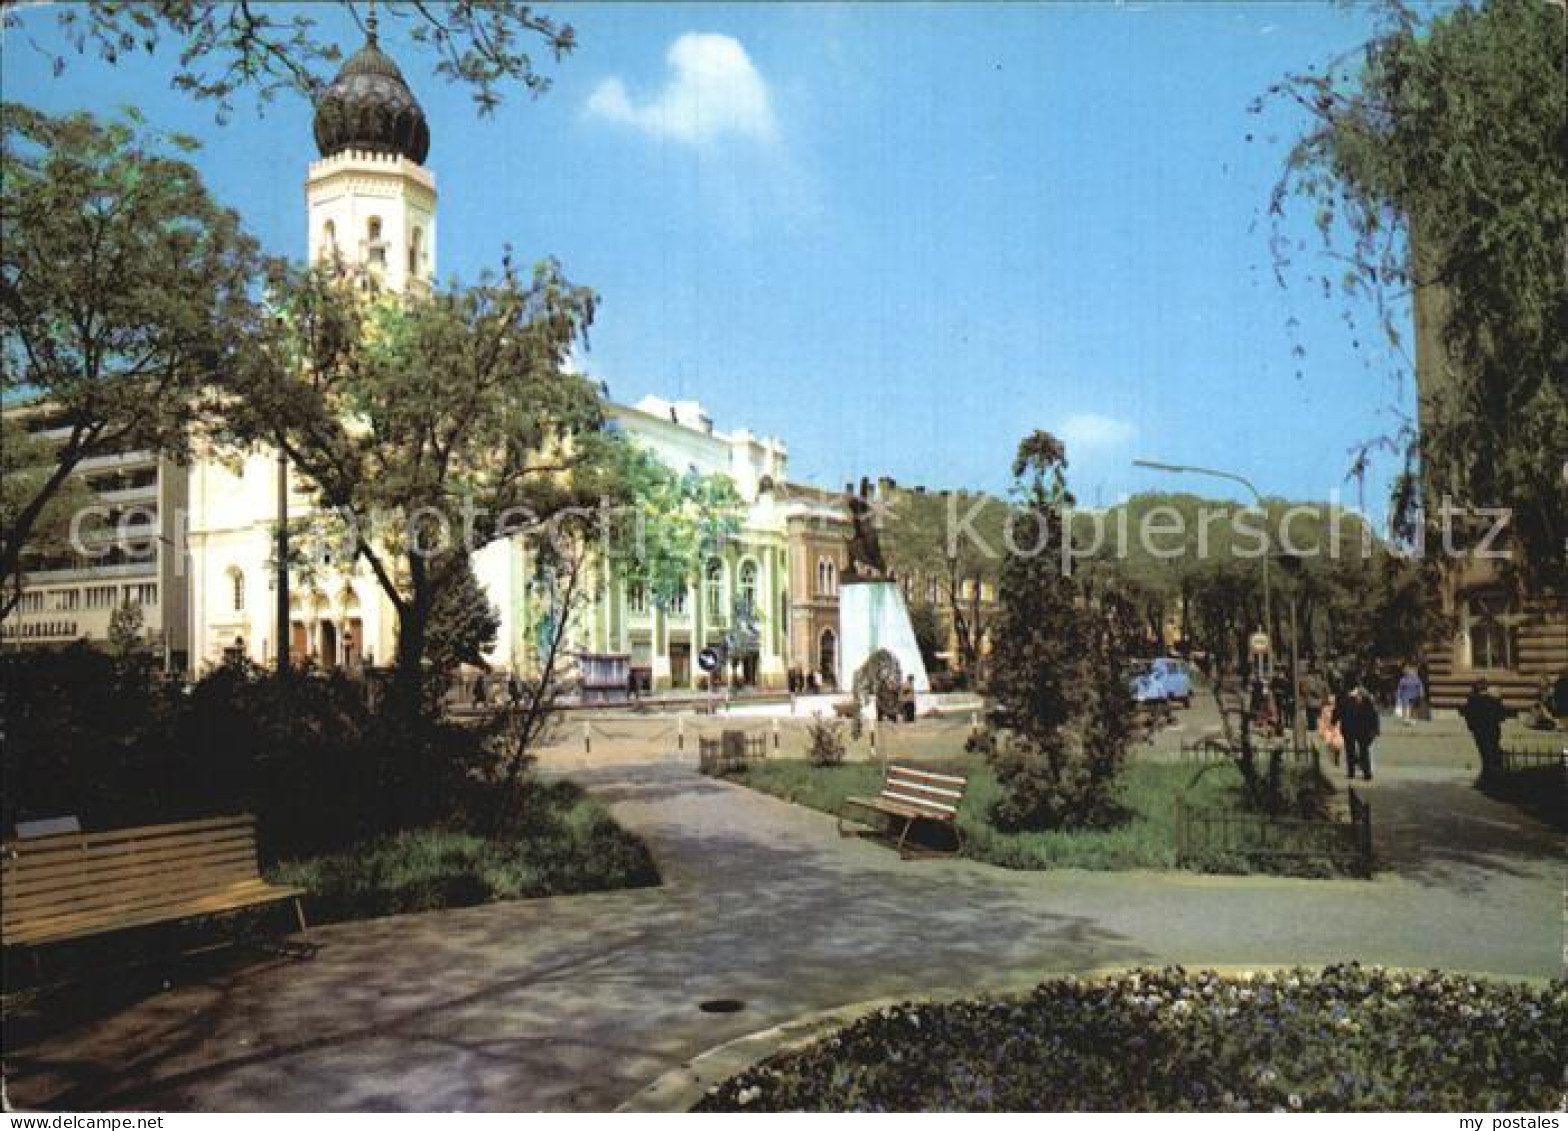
<point>416,250</point>
<point>237,589</point>
<point>375,246</point>
<point>748,587</point>
<point>329,240</point>
<point>713,592</point>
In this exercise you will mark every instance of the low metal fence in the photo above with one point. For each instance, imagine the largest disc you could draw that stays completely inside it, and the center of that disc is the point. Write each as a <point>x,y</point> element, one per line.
<point>1521,759</point>
<point>730,751</point>
<point>1206,833</point>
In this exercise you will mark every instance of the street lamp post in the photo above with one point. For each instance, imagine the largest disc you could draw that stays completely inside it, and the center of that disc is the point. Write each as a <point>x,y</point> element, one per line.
<point>1181,468</point>
<point>1289,562</point>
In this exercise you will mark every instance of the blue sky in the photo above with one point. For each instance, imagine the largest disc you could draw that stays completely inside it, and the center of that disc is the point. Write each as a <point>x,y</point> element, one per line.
<point>898,237</point>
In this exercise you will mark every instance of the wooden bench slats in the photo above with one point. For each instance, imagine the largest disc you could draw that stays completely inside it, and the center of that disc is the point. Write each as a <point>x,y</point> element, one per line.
<point>71,885</point>
<point>912,795</point>
<point>144,834</point>
<point>250,896</point>
<point>899,797</point>
<point>155,875</point>
<point>51,923</point>
<point>120,898</point>
<point>927,775</point>
<point>134,904</point>
<point>37,900</point>
<point>72,846</point>
<point>905,786</point>
<point>36,874</point>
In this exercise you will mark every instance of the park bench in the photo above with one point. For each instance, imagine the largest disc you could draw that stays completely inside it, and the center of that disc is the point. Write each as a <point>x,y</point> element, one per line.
<point>72,885</point>
<point>910,795</point>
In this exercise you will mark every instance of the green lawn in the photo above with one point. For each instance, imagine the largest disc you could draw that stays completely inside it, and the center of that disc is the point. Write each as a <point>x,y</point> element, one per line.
<point>564,843</point>
<point>1145,839</point>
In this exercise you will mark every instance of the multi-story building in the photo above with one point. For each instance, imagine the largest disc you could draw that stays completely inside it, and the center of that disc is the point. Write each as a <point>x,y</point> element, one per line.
<point>745,579</point>
<point>1514,635</point>
<point>370,201</point>
<point>124,548</point>
<point>818,527</point>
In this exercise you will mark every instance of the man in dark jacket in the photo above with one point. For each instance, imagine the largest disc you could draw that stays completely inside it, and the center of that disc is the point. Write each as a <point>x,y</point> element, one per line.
<point>1484,714</point>
<point>1360,725</point>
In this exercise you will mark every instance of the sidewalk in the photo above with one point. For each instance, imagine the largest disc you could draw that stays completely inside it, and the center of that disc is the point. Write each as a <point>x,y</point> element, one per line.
<point>577,1003</point>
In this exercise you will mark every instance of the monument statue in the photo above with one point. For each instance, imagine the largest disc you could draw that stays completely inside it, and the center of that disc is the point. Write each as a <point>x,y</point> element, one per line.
<point>865,551</point>
<point>872,615</point>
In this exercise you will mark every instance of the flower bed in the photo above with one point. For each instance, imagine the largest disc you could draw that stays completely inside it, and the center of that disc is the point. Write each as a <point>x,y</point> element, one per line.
<point>1347,1038</point>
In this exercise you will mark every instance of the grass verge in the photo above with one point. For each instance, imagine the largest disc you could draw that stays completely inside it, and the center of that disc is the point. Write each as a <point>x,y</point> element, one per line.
<point>1145,838</point>
<point>1346,1038</point>
<point>564,843</point>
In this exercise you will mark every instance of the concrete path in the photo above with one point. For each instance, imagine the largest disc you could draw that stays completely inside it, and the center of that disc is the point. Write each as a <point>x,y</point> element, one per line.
<point>576,1003</point>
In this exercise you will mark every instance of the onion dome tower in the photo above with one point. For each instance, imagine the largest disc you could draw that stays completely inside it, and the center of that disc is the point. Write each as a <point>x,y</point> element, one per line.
<point>369,198</point>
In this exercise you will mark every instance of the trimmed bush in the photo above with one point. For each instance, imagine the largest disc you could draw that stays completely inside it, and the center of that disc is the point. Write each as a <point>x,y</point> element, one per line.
<point>1347,1038</point>
<point>827,742</point>
<point>563,843</point>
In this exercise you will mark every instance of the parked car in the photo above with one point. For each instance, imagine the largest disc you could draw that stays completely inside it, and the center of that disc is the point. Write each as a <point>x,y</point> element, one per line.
<point>1164,679</point>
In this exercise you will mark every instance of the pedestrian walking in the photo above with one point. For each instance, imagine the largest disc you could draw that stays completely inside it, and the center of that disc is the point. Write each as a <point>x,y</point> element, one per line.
<point>1360,725</point>
<point>1408,696</point>
<point>1484,713</point>
<point>1312,692</point>
<point>1329,730</point>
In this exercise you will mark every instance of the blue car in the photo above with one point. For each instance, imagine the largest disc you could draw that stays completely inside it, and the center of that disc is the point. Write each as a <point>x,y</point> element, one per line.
<point>1160,680</point>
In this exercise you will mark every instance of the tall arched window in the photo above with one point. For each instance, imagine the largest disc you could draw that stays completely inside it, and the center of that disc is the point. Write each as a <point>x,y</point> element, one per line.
<point>1488,628</point>
<point>375,246</point>
<point>329,240</point>
<point>637,597</point>
<point>827,577</point>
<point>827,656</point>
<point>748,587</point>
<point>416,250</point>
<point>678,602</point>
<point>713,591</point>
<point>237,590</point>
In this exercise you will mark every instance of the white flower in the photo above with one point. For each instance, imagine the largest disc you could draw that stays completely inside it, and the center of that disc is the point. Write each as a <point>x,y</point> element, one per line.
<point>749,1094</point>
<point>1295,1100</point>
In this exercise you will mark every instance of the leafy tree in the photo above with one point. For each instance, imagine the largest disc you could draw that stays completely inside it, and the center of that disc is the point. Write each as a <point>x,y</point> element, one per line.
<point>1436,159</point>
<point>463,623</point>
<point>879,680</point>
<point>954,539</point>
<point>671,524</point>
<point>1058,670</point>
<point>224,47</point>
<point>26,463</point>
<point>123,288</point>
<point>126,638</point>
<point>929,638</point>
<point>431,425</point>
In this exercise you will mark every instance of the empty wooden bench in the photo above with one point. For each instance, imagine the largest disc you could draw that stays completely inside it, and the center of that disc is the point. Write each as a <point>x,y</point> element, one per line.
<point>72,885</point>
<point>908,796</point>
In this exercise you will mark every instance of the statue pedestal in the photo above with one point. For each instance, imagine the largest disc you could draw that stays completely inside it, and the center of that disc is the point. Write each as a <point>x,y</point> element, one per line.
<point>872,615</point>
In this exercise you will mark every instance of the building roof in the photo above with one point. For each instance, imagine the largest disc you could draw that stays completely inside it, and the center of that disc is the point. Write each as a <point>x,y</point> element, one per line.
<point>368,107</point>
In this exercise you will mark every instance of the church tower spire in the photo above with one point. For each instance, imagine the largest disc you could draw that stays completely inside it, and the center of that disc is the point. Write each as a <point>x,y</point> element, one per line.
<point>370,198</point>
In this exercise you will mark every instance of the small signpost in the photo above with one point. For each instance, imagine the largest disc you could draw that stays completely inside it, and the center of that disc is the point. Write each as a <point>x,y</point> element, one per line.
<point>1258,643</point>
<point>708,660</point>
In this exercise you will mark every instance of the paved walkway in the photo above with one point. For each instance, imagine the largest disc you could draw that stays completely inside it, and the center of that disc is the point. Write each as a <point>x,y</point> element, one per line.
<point>576,1003</point>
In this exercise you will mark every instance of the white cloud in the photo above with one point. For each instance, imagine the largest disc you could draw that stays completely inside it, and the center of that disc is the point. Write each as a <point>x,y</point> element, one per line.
<point>1088,432</point>
<point>713,92</point>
